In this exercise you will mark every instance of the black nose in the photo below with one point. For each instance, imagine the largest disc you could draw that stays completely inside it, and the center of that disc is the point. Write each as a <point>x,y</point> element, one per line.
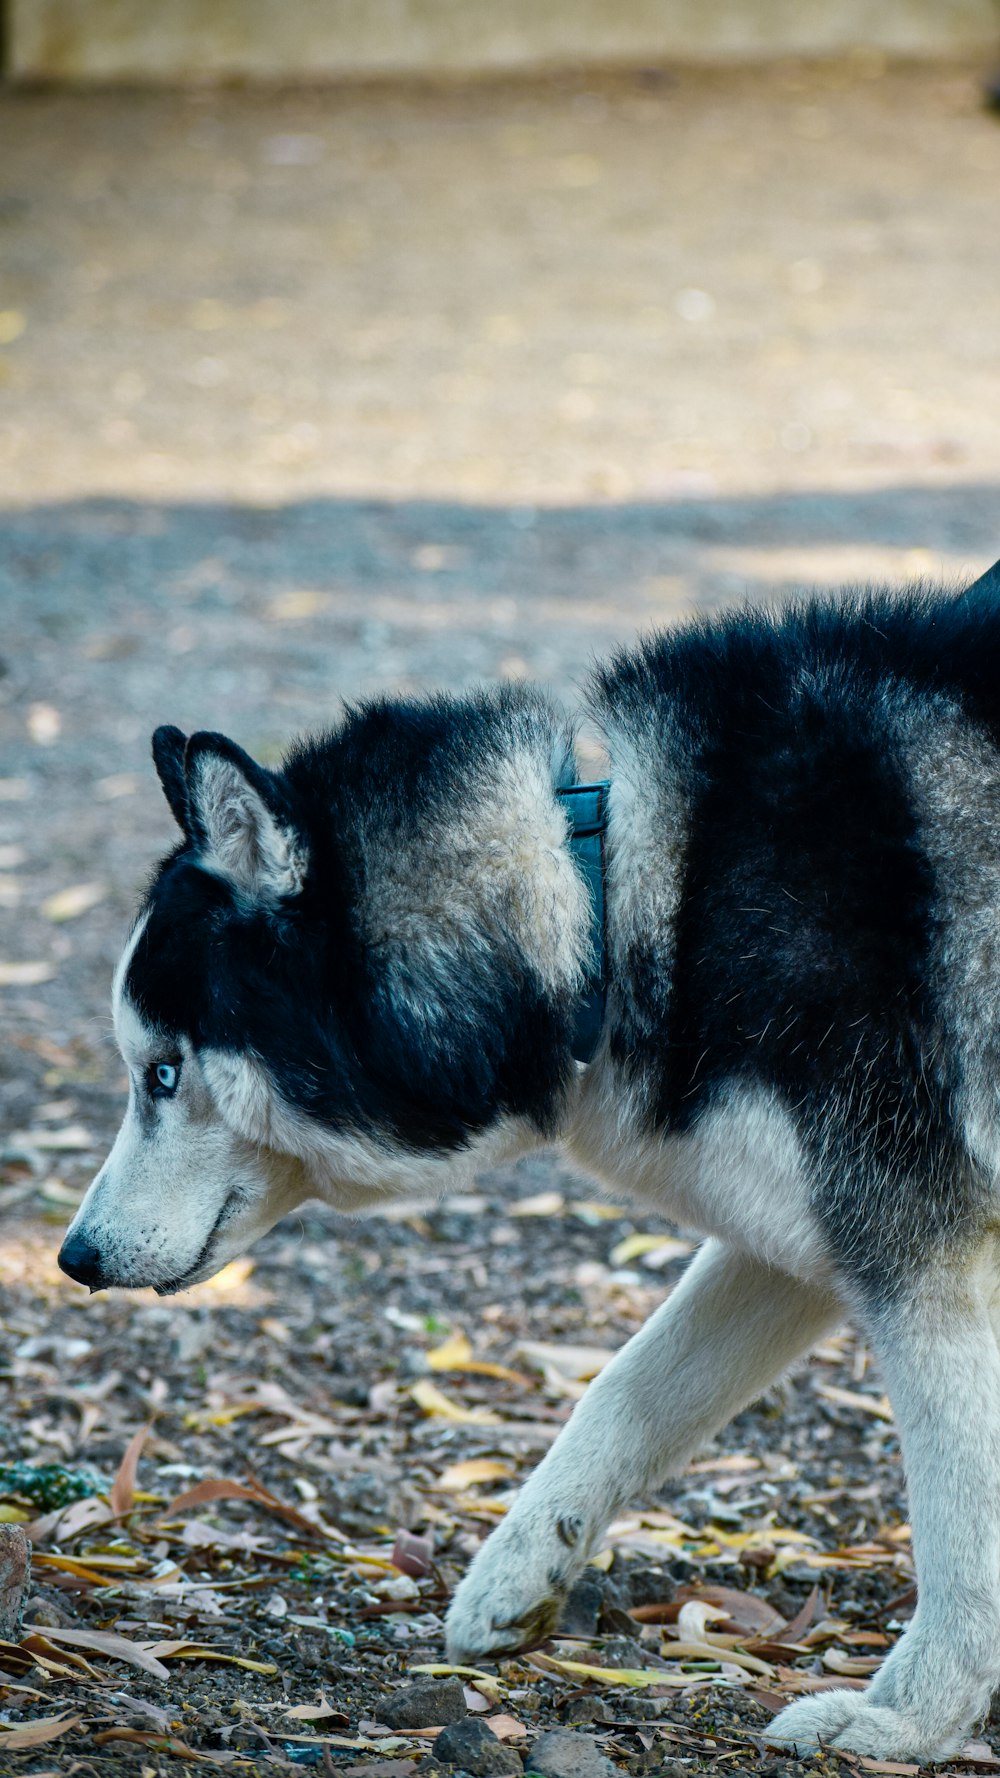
<point>80,1259</point>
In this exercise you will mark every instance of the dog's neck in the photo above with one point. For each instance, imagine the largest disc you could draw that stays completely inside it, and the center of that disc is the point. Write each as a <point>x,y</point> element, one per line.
<point>475,920</point>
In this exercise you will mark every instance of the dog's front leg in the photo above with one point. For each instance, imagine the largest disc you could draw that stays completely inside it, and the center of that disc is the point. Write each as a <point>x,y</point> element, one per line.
<point>726,1331</point>
<point>942,1367</point>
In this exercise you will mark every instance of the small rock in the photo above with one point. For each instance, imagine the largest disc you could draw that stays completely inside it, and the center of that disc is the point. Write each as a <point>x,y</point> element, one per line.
<point>563,1754</point>
<point>582,1609</point>
<point>15,1573</point>
<point>396,1586</point>
<point>39,1610</point>
<point>587,1707</point>
<point>647,1709</point>
<point>597,1605</point>
<point>424,1705</point>
<point>649,1586</point>
<point>475,1749</point>
<point>628,1651</point>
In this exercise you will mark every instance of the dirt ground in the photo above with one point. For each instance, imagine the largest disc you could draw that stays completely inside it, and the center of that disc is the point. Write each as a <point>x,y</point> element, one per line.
<point>309,395</point>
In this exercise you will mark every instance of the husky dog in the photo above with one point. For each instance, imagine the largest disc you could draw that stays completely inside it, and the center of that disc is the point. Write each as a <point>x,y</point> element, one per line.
<point>358,977</point>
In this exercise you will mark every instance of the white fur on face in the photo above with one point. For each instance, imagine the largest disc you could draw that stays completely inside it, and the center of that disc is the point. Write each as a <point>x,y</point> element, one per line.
<point>347,1169</point>
<point>181,1192</point>
<point>195,1179</point>
<point>179,1195</point>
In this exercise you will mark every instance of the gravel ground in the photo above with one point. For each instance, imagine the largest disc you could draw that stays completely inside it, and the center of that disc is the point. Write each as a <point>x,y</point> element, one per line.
<point>310,395</point>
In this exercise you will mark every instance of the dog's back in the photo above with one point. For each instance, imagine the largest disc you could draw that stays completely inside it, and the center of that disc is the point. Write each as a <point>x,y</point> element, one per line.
<point>805,899</point>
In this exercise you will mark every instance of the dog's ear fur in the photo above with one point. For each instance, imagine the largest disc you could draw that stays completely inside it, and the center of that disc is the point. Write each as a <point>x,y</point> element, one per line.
<point>168,758</point>
<point>239,822</point>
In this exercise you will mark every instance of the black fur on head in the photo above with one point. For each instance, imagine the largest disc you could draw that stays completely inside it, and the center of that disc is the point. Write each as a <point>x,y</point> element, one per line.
<point>168,758</point>
<point>377,993</point>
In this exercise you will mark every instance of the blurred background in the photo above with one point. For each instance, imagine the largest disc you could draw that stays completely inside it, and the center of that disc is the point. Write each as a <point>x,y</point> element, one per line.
<point>375,347</point>
<point>348,349</point>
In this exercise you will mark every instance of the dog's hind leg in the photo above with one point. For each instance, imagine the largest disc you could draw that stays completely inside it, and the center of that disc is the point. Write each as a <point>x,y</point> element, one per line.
<point>729,1328</point>
<point>942,1367</point>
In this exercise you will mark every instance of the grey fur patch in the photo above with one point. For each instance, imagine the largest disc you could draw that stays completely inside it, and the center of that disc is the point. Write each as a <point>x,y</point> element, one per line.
<point>263,858</point>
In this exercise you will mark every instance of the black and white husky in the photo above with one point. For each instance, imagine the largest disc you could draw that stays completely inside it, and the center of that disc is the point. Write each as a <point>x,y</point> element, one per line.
<point>359,976</point>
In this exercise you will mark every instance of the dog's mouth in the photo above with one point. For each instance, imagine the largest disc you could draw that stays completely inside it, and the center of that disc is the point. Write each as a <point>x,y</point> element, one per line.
<point>205,1265</point>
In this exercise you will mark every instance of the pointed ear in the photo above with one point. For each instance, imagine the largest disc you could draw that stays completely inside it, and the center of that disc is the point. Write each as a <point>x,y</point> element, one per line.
<point>240,822</point>
<point>168,758</point>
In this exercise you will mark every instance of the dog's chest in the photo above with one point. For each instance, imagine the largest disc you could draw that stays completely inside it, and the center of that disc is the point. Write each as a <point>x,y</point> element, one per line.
<point>739,1174</point>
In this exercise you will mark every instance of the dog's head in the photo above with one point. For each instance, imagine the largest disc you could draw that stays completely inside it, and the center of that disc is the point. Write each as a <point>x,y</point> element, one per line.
<point>193,1177</point>
<point>322,995</point>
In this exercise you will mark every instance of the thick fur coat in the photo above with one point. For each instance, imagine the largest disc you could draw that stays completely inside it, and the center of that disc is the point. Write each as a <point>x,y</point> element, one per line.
<point>358,977</point>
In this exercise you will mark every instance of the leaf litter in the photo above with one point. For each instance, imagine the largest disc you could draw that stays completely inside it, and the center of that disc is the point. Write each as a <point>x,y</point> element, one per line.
<point>252,1506</point>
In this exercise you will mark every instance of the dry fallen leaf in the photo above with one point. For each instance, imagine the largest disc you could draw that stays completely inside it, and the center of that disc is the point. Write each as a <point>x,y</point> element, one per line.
<point>891,1768</point>
<point>459,1476</point>
<point>36,1733</point>
<point>456,1355</point>
<point>44,724</point>
<point>177,1650</point>
<point>123,1487</point>
<point>162,1744</point>
<point>543,1204</point>
<point>220,1489</point>
<point>74,1139</point>
<point>25,975</point>
<point>433,1401</point>
<point>662,1247</point>
<point>855,1665</point>
<point>506,1728</point>
<point>635,1678</point>
<point>104,1642</point>
<point>295,605</point>
<point>707,1651</point>
<point>69,904</point>
<point>877,1405</point>
<point>445,1670</point>
<point>321,1712</point>
<point>573,1364</point>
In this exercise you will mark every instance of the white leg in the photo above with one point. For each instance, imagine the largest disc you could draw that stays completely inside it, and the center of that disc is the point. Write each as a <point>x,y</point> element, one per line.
<point>942,1367</point>
<point>728,1329</point>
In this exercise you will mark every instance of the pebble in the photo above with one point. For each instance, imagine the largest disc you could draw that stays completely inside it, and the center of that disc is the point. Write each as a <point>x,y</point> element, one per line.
<point>563,1754</point>
<point>474,1748</point>
<point>582,1610</point>
<point>425,1704</point>
<point>588,1707</point>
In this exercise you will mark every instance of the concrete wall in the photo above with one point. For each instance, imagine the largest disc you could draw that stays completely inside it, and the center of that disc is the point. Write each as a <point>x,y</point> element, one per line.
<point>154,40</point>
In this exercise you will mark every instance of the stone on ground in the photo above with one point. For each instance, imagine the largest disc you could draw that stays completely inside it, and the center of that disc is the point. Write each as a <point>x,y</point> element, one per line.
<point>564,1754</point>
<point>474,1748</point>
<point>425,1704</point>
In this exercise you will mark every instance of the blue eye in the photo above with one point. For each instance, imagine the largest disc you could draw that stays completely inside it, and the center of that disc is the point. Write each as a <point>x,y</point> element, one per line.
<point>162,1079</point>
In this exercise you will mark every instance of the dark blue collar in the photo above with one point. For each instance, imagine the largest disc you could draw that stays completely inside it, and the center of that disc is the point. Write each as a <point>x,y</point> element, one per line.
<point>587,807</point>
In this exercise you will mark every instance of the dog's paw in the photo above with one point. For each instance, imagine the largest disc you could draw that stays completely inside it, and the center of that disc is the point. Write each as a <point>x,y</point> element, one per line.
<point>511,1597</point>
<point>846,1720</point>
